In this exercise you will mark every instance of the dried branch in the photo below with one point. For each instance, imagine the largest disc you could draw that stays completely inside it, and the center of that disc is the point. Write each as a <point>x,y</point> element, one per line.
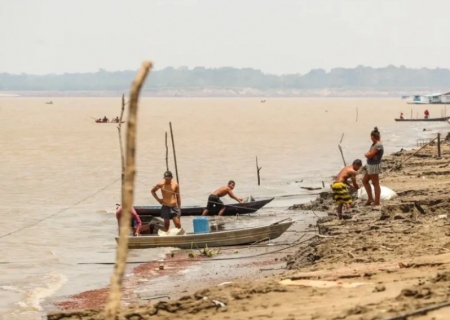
<point>115,293</point>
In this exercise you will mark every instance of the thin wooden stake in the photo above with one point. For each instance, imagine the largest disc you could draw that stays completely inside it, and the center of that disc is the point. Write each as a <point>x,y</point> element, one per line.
<point>119,128</point>
<point>342,138</point>
<point>174,153</point>
<point>356,114</point>
<point>115,292</point>
<point>258,169</point>
<point>439,144</point>
<point>342,154</point>
<point>167,155</point>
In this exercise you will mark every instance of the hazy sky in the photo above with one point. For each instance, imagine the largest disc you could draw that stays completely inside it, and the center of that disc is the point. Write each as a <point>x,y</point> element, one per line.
<point>57,36</point>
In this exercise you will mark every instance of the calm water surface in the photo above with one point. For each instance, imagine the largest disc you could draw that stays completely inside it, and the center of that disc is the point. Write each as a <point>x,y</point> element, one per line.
<point>60,172</point>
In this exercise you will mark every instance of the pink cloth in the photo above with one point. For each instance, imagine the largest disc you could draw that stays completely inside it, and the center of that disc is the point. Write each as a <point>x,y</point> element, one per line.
<point>134,216</point>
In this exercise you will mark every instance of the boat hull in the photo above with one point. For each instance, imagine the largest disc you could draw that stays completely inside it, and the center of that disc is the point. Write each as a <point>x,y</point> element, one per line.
<point>213,239</point>
<point>423,119</point>
<point>230,209</point>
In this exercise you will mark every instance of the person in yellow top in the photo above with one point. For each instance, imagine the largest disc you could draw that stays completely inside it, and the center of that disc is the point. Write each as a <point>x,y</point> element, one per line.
<point>171,200</point>
<point>340,192</point>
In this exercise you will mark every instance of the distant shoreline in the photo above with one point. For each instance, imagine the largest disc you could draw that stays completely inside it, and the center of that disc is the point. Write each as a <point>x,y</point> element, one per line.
<point>219,93</point>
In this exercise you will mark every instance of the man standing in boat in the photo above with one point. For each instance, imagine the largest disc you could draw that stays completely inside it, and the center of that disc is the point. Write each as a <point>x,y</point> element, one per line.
<point>171,200</point>
<point>214,202</point>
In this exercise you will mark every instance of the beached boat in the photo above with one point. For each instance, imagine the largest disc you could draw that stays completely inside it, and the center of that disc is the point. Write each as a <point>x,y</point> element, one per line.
<point>212,239</point>
<point>423,119</point>
<point>230,210</point>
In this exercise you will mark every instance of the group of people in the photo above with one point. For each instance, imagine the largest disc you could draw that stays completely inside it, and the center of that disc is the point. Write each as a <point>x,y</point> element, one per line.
<point>341,193</point>
<point>170,201</point>
<point>105,119</point>
<point>426,114</point>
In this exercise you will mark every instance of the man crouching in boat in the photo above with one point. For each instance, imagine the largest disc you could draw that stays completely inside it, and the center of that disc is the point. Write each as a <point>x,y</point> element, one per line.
<point>340,192</point>
<point>214,201</point>
<point>171,200</point>
<point>135,220</point>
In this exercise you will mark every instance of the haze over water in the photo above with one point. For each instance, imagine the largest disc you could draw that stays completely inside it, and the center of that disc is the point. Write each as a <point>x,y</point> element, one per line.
<point>55,156</point>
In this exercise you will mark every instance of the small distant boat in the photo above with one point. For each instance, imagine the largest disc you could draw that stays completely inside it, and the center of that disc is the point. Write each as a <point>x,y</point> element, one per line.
<point>423,119</point>
<point>49,102</point>
<point>230,209</point>
<point>212,239</point>
<point>100,121</point>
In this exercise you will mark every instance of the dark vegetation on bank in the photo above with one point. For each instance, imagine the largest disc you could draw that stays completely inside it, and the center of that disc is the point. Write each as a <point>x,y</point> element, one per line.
<point>358,78</point>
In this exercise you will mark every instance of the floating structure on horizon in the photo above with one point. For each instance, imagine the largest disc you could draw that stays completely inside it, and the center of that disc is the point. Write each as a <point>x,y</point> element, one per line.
<point>433,98</point>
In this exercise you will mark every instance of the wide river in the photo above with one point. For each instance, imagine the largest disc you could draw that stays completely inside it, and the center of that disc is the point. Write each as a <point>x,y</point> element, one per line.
<point>60,172</point>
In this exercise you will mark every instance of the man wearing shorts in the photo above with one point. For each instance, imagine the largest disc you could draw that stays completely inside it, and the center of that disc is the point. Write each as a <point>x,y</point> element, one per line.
<point>340,192</point>
<point>171,200</point>
<point>214,202</point>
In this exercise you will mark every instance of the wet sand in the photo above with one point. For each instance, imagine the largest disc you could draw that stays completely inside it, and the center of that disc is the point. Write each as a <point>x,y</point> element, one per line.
<point>372,265</point>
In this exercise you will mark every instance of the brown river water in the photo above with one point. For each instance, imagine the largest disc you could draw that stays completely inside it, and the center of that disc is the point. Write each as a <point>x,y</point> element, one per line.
<point>60,172</point>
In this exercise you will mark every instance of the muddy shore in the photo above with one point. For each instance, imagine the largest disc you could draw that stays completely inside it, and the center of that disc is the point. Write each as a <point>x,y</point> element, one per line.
<point>375,264</point>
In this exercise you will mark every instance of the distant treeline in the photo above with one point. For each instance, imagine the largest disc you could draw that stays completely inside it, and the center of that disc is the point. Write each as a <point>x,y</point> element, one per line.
<point>183,78</point>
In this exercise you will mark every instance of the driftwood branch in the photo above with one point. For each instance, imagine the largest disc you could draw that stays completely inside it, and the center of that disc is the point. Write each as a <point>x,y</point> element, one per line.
<point>258,169</point>
<point>115,293</point>
<point>174,153</point>
<point>167,155</point>
<point>119,128</point>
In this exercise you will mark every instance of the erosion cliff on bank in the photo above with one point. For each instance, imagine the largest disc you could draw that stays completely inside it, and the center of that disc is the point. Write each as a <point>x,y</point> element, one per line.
<point>372,265</point>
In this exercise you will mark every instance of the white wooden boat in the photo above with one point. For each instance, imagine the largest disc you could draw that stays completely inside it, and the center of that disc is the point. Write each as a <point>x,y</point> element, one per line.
<point>213,239</point>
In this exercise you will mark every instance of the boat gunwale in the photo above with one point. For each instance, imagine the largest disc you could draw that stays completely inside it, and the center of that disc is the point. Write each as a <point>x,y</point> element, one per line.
<point>207,236</point>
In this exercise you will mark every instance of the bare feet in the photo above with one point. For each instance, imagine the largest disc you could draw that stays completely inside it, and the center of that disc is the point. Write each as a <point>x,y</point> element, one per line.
<point>368,203</point>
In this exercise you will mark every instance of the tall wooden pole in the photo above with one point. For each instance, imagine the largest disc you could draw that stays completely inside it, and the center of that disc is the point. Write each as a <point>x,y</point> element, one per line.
<point>174,153</point>
<point>167,155</point>
<point>115,292</point>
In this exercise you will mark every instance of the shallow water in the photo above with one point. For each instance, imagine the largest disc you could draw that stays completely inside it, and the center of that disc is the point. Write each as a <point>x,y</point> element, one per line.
<point>60,172</point>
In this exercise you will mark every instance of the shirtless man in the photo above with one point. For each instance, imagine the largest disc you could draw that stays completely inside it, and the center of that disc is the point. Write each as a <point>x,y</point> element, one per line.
<point>340,192</point>
<point>171,200</point>
<point>214,201</point>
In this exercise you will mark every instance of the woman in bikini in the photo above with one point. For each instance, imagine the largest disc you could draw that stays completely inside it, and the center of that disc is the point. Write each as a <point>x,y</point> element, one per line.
<point>374,156</point>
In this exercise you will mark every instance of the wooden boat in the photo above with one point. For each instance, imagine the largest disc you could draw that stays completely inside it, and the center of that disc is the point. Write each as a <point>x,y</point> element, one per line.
<point>230,210</point>
<point>212,239</point>
<point>423,119</point>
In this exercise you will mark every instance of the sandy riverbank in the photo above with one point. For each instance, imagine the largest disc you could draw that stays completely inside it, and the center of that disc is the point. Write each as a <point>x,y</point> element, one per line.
<point>371,266</point>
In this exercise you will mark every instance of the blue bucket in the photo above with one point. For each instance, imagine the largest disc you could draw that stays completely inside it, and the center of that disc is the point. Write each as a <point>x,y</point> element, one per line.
<point>201,225</point>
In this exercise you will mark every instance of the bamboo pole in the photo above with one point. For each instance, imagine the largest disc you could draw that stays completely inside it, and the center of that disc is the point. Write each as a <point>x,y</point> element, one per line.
<point>167,155</point>
<point>115,294</point>
<point>257,171</point>
<point>119,128</point>
<point>174,153</point>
